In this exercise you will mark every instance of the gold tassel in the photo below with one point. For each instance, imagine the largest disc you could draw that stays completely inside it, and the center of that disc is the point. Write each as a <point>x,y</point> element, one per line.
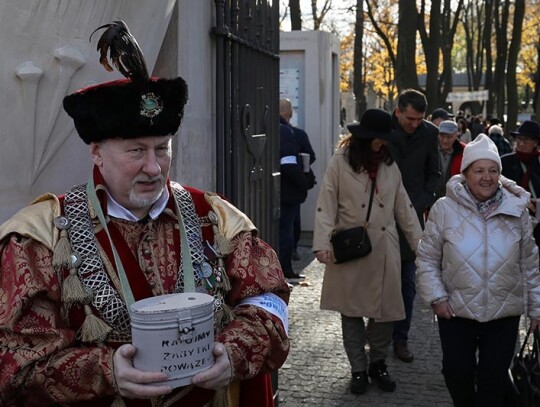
<point>228,315</point>
<point>222,244</point>
<point>72,289</point>
<point>221,398</point>
<point>93,329</point>
<point>118,402</point>
<point>62,252</point>
<point>225,283</point>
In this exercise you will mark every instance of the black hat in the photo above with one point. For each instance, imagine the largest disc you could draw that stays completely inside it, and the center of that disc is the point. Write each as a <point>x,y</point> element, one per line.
<point>441,114</point>
<point>375,123</point>
<point>138,106</point>
<point>528,128</point>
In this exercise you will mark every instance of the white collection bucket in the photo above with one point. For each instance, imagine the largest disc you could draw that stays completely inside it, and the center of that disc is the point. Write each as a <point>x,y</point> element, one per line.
<point>174,334</point>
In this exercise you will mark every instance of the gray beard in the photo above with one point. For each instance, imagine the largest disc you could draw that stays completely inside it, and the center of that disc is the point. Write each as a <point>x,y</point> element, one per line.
<point>138,202</point>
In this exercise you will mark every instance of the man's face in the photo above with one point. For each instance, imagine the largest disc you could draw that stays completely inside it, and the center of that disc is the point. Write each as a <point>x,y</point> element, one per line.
<point>409,119</point>
<point>438,121</point>
<point>526,144</point>
<point>135,170</point>
<point>446,140</point>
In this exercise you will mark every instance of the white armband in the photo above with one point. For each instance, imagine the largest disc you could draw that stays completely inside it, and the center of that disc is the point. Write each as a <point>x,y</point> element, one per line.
<point>273,304</point>
<point>289,159</point>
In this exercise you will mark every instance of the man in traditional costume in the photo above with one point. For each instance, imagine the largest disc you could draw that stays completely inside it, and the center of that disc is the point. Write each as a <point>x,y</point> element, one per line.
<point>72,265</point>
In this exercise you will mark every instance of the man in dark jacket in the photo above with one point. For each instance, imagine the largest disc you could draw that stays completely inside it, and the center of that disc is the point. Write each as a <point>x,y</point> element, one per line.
<point>523,165</point>
<point>304,146</point>
<point>414,146</point>
<point>294,186</point>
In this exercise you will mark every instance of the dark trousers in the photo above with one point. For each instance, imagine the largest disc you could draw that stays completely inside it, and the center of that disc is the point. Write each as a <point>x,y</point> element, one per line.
<point>286,237</point>
<point>476,358</point>
<point>378,336</point>
<point>408,291</point>
<point>297,227</point>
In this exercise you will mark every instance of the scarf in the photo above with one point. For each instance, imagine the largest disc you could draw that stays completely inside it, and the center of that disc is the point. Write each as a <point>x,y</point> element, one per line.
<point>488,206</point>
<point>373,165</point>
<point>528,159</point>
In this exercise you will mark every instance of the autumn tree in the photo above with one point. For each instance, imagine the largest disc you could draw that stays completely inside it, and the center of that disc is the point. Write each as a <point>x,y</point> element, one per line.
<point>406,75</point>
<point>319,14</point>
<point>359,79</point>
<point>449,24</point>
<point>382,60</point>
<point>296,15</point>
<point>511,65</point>
<point>472,23</point>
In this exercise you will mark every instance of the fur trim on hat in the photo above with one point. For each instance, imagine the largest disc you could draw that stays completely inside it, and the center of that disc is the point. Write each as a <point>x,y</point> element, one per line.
<point>124,109</point>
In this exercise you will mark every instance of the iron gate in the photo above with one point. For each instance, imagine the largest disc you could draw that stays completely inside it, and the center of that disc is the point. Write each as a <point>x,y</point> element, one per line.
<point>247,129</point>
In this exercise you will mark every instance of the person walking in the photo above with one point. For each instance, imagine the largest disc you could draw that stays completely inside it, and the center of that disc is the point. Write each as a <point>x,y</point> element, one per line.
<point>295,183</point>
<point>523,165</point>
<point>71,265</point>
<point>477,267</point>
<point>439,115</point>
<point>304,147</point>
<point>464,132</point>
<point>496,134</point>
<point>414,146</point>
<point>450,154</point>
<point>370,286</point>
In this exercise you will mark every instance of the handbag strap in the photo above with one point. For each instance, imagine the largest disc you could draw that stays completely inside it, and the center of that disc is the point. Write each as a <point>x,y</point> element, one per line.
<point>370,201</point>
<point>536,343</point>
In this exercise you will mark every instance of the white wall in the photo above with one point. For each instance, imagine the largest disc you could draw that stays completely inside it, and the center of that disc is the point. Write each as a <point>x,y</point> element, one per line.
<point>196,152</point>
<point>315,54</point>
<point>46,54</point>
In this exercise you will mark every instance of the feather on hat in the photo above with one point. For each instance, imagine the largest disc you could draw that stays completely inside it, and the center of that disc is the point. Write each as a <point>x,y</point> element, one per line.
<point>137,106</point>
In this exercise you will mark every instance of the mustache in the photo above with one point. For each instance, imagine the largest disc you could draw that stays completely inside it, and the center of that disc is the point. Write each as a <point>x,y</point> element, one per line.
<point>144,178</point>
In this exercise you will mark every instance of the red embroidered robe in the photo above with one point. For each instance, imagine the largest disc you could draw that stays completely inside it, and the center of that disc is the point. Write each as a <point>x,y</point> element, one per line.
<point>41,360</point>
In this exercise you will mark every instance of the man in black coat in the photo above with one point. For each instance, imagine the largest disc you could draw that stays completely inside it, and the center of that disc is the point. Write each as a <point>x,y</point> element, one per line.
<point>304,146</point>
<point>523,165</point>
<point>295,184</point>
<point>414,146</point>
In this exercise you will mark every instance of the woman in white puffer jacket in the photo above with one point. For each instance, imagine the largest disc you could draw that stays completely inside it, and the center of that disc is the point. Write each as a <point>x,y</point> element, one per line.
<point>478,269</point>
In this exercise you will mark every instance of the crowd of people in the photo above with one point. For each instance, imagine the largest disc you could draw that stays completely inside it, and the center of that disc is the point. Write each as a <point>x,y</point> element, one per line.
<point>471,250</point>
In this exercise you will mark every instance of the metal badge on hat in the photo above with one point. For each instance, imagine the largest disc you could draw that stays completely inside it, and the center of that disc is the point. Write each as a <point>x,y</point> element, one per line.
<point>151,105</point>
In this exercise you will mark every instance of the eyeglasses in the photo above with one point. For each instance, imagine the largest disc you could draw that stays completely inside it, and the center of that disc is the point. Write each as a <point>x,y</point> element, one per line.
<point>526,139</point>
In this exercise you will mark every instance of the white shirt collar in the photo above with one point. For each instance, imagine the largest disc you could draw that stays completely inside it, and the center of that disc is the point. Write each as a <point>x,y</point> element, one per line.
<point>116,210</point>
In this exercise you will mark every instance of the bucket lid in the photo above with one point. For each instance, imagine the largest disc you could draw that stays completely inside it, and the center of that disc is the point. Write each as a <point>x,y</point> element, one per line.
<point>171,303</point>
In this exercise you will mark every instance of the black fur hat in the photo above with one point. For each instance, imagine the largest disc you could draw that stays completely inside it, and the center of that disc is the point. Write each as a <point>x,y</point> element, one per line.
<point>129,108</point>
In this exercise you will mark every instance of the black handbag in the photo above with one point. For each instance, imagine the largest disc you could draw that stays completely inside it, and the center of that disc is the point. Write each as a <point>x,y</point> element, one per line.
<point>353,243</point>
<point>525,374</point>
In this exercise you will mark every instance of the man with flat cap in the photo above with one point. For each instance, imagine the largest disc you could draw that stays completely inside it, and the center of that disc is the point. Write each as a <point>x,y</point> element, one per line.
<point>450,154</point>
<point>71,265</point>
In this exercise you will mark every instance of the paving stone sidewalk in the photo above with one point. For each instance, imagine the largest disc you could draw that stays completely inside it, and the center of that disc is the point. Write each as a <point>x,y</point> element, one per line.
<point>317,371</point>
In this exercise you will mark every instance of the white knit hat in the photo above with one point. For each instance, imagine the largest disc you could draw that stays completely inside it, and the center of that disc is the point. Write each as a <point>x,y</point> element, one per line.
<point>481,148</point>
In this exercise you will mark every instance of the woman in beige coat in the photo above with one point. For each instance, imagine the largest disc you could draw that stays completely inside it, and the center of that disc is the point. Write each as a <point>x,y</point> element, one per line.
<point>370,286</point>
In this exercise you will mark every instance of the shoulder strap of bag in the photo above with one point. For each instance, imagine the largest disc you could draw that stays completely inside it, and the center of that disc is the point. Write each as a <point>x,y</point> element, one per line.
<point>370,201</point>
<point>524,344</point>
